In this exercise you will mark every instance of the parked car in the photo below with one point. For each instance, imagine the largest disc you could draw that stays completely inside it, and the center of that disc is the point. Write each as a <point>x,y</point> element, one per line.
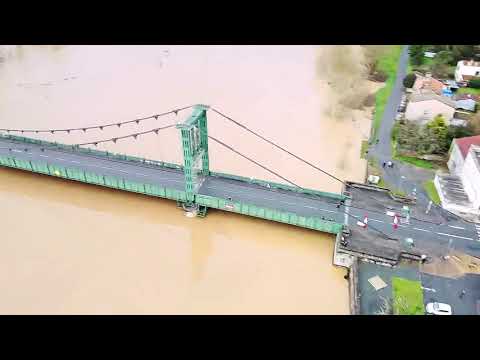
<point>436,308</point>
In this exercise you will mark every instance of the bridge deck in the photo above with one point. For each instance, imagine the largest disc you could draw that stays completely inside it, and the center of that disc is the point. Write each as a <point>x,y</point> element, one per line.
<point>301,204</point>
<point>284,200</point>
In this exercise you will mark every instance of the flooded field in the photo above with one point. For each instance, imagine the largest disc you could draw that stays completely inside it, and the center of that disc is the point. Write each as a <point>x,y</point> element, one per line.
<point>68,247</point>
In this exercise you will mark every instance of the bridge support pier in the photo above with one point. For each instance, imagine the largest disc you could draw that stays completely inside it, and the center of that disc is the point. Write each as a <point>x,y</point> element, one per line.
<point>194,137</point>
<point>193,210</point>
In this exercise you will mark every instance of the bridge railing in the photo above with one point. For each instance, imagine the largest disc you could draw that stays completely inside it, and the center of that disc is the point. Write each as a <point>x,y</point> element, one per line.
<point>274,185</point>
<point>93,152</point>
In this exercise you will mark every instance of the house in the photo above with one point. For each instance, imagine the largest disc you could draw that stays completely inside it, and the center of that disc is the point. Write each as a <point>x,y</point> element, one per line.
<point>425,105</point>
<point>461,118</point>
<point>459,191</point>
<point>467,104</point>
<point>451,84</point>
<point>471,175</point>
<point>459,151</point>
<point>467,70</point>
<point>428,82</point>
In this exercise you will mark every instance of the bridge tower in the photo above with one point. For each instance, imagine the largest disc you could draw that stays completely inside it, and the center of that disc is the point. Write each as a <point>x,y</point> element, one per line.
<point>194,137</point>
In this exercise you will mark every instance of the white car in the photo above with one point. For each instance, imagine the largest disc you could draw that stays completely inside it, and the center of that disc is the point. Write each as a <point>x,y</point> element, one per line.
<point>439,309</point>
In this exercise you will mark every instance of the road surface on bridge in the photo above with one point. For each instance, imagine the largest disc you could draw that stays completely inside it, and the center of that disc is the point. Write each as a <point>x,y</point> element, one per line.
<point>301,204</point>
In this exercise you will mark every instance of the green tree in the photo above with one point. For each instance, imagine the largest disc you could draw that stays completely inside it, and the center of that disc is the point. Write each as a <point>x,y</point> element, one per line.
<point>416,54</point>
<point>475,83</point>
<point>409,80</point>
<point>441,64</point>
<point>455,132</point>
<point>435,136</point>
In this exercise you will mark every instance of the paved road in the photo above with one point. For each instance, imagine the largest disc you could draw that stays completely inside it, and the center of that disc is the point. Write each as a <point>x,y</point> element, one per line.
<point>383,149</point>
<point>436,239</point>
<point>447,290</point>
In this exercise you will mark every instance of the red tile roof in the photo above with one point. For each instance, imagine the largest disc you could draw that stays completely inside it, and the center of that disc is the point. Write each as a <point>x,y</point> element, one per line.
<point>464,143</point>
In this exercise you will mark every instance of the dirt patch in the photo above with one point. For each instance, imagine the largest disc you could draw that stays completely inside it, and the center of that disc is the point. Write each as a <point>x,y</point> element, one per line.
<point>455,266</point>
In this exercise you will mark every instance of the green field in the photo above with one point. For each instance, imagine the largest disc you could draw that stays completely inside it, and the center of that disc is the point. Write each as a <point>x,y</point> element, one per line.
<point>407,297</point>
<point>425,164</point>
<point>431,191</point>
<point>388,63</point>
<point>468,91</point>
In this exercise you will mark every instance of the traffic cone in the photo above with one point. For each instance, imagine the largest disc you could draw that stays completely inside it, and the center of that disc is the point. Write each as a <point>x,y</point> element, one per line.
<point>395,222</point>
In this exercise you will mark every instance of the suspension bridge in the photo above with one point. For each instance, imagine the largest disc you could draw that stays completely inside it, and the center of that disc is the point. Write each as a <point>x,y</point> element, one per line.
<point>192,185</point>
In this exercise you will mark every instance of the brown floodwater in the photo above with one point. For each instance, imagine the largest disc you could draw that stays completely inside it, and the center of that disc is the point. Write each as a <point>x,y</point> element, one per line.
<point>71,248</point>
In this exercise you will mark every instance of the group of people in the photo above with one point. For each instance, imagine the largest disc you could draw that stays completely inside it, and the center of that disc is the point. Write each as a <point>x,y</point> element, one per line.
<point>388,163</point>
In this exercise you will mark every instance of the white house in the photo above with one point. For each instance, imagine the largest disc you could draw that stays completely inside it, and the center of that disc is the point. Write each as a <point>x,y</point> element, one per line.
<point>425,105</point>
<point>459,191</point>
<point>471,176</point>
<point>467,70</point>
<point>459,151</point>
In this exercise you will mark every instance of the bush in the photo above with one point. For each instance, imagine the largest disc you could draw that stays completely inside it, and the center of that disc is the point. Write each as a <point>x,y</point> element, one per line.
<point>379,76</point>
<point>475,83</point>
<point>409,80</point>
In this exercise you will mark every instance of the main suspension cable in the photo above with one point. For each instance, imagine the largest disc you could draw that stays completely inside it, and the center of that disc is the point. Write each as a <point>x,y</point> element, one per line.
<point>277,146</point>
<point>253,161</point>
<point>134,135</point>
<point>101,127</point>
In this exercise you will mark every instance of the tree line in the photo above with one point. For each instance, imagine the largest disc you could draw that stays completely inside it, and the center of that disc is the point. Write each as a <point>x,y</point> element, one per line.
<point>446,56</point>
<point>433,138</point>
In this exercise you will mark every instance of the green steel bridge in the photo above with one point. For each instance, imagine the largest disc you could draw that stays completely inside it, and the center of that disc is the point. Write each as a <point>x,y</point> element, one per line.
<point>192,185</point>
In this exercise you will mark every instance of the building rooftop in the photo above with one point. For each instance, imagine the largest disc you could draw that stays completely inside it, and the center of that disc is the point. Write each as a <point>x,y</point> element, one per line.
<point>427,82</point>
<point>467,96</point>
<point>470,63</point>
<point>467,104</point>
<point>425,96</point>
<point>465,143</point>
<point>475,152</point>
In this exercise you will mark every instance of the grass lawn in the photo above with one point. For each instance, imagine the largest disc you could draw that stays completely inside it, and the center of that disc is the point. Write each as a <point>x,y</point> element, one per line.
<point>468,91</point>
<point>363,149</point>
<point>388,63</point>
<point>425,164</point>
<point>431,191</point>
<point>407,297</point>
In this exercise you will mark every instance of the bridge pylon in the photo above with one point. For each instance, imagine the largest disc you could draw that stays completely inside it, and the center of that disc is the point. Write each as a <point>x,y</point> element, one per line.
<point>194,137</point>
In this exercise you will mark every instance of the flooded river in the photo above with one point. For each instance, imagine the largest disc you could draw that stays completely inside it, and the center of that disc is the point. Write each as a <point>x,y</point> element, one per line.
<point>73,248</point>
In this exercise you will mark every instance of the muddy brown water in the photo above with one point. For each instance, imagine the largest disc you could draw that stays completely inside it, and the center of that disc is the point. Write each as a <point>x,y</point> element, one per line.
<point>70,248</point>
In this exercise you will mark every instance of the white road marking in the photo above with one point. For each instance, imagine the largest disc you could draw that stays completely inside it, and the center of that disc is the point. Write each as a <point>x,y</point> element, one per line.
<point>327,210</point>
<point>17,150</point>
<point>74,161</point>
<point>60,159</point>
<point>460,237</point>
<point>456,227</point>
<point>421,229</point>
<point>375,220</point>
<point>428,289</point>
<point>44,155</point>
